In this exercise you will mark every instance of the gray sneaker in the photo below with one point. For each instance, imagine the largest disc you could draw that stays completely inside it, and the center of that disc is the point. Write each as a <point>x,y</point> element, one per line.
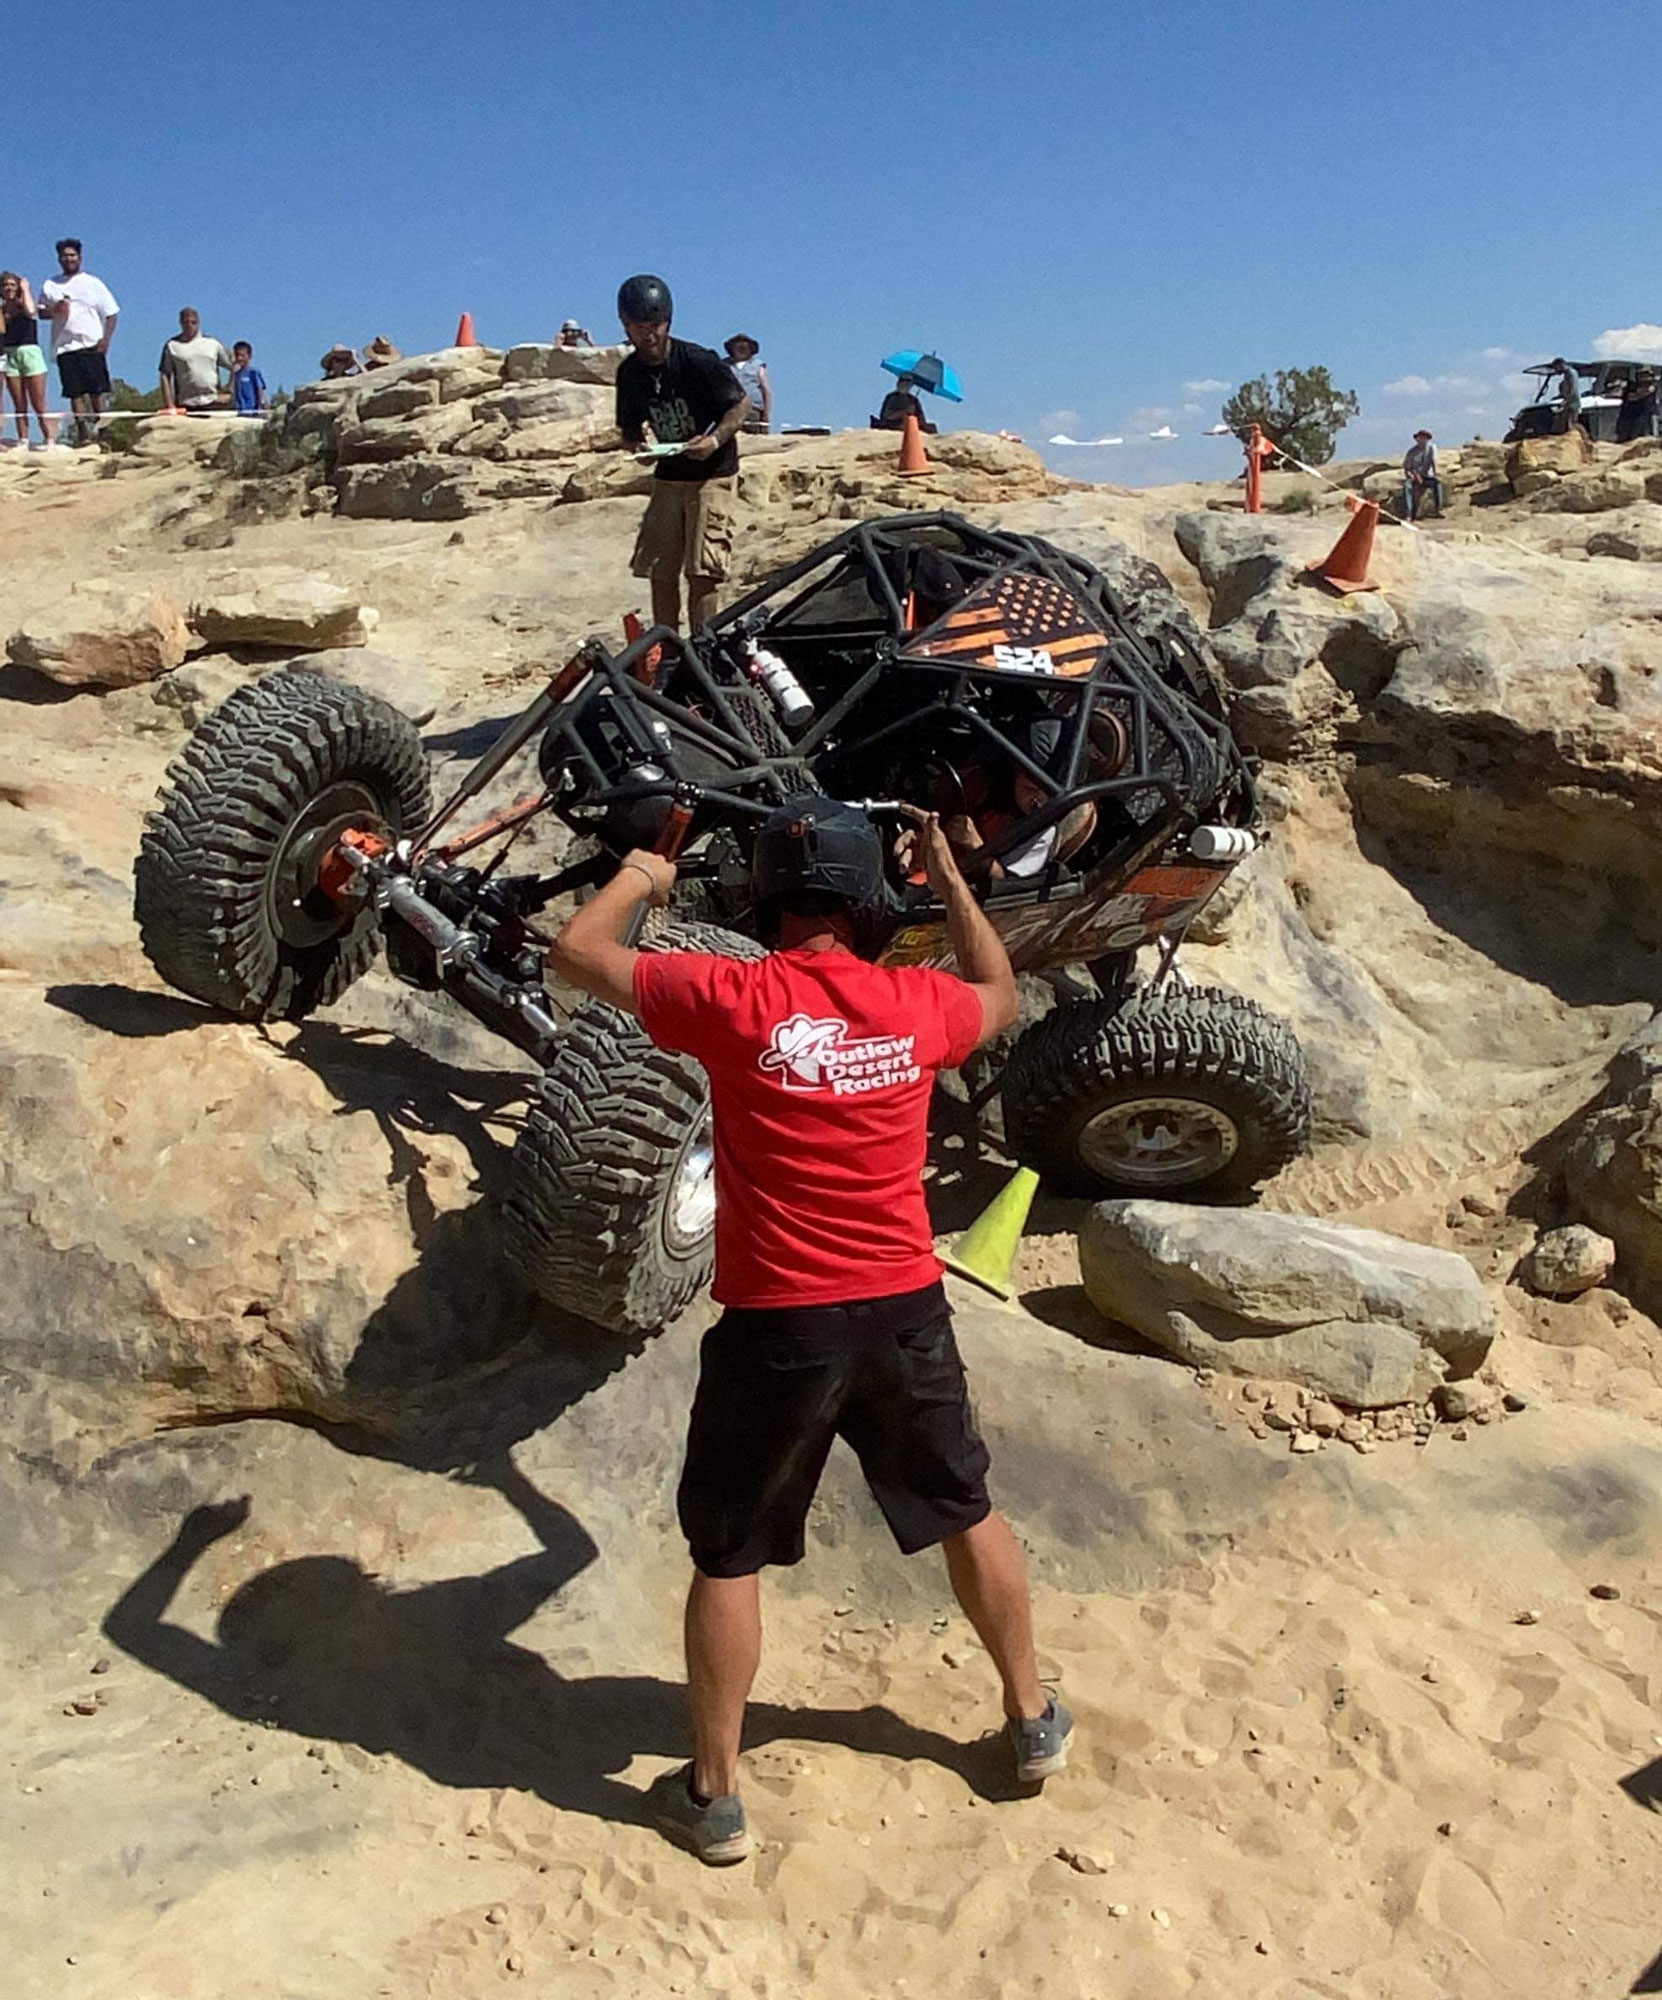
<point>1041,1745</point>
<point>716,1832</point>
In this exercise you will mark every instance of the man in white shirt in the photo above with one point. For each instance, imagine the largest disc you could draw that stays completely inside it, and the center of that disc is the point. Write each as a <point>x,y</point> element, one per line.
<point>191,366</point>
<point>83,313</point>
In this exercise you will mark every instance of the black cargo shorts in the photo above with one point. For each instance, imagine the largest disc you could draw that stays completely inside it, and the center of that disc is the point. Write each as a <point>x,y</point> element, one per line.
<point>777,1384</point>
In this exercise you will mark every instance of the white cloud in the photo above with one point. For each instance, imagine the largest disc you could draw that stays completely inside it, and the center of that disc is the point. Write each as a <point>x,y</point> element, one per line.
<point>1437,385</point>
<point>1205,387</point>
<point>1630,343</point>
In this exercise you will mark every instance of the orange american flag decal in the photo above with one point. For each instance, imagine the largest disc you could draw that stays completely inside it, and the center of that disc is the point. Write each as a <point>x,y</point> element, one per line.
<point>1020,623</point>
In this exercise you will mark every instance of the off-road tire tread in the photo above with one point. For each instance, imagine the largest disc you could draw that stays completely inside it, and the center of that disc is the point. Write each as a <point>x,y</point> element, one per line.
<point>1244,1056</point>
<point>591,1167</point>
<point>252,765</point>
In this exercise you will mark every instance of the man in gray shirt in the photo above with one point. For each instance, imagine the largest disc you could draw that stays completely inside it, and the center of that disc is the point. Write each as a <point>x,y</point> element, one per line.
<point>191,365</point>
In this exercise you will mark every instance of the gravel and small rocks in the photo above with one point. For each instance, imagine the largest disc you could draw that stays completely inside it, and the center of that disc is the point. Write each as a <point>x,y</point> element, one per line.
<point>1307,1422</point>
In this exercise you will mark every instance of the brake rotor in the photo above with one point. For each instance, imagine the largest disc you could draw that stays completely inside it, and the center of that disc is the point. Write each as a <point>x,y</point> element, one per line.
<point>307,900</point>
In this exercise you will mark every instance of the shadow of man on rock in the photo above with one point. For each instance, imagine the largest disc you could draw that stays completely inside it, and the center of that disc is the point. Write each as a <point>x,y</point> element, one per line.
<point>321,1647</point>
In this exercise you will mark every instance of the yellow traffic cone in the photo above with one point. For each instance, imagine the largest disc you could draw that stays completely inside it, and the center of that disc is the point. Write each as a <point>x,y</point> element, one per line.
<point>987,1249</point>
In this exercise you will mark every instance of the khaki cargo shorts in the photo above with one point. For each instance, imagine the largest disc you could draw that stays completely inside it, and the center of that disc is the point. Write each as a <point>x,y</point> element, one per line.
<point>687,528</point>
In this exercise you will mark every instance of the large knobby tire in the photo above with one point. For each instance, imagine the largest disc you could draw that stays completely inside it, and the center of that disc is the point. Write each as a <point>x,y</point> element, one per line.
<point>610,1206</point>
<point>1188,1093</point>
<point>225,884</point>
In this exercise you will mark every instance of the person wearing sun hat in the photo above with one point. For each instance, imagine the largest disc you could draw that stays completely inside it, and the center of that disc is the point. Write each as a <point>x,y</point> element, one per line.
<point>1419,477</point>
<point>744,357</point>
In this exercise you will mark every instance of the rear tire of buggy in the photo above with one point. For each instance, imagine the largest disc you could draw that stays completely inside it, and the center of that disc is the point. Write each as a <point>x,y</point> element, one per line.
<point>609,1211</point>
<point>225,883</point>
<point>1188,1094</point>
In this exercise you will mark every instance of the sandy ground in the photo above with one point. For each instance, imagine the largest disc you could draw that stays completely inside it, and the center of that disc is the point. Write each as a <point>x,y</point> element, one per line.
<point>1349,1726</point>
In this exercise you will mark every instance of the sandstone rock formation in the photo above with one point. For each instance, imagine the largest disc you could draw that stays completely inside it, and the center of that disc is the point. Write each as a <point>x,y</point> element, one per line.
<point>1614,1166</point>
<point>292,610</point>
<point>100,638</point>
<point>1363,1318</point>
<point>1570,1260</point>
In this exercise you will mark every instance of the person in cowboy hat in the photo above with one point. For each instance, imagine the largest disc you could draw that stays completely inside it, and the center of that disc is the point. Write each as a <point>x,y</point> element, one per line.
<point>1419,477</point>
<point>744,357</point>
<point>339,362</point>
<point>380,353</point>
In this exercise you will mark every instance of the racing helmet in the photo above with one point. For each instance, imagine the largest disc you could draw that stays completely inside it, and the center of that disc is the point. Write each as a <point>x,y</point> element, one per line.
<point>815,854</point>
<point>645,299</point>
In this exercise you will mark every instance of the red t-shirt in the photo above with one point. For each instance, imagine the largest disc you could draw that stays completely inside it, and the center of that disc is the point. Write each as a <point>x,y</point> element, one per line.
<point>820,1071</point>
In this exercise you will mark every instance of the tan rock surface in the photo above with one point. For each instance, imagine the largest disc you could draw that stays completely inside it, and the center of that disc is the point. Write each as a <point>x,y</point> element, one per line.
<point>294,610</point>
<point>103,639</point>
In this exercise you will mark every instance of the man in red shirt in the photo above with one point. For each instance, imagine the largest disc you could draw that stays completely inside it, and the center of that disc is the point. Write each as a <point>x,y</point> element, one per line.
<point>821,1067</point>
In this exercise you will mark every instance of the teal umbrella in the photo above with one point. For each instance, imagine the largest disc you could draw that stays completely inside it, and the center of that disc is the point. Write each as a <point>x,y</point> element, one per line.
<point>928,371</point>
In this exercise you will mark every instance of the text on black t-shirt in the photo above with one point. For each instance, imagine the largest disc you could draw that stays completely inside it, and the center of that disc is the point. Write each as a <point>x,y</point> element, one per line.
<point>682,398</point>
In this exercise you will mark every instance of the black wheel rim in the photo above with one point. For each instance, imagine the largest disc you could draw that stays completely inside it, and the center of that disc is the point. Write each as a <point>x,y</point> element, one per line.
<point>300,913</point>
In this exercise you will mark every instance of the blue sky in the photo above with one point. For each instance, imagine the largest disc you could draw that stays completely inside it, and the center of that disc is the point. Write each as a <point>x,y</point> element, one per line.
<point>1083,207</point>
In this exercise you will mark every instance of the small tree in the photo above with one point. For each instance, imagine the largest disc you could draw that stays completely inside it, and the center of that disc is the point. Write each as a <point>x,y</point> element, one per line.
<point>1301,411</point>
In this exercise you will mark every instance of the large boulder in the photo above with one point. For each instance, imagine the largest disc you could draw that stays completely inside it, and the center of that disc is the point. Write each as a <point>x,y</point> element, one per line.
<point>1363,1318</point>
<point>100,638</point>
<point>1303,663</point>
<point>1595,491</point>
<point>538,402</point>
<point>1634,536</point>
<point>535,362</point>
<point>1566,451</point>
<point>383,439</point>
<point>408,489</point>
<point>414,685</point>
<point>288,609</point>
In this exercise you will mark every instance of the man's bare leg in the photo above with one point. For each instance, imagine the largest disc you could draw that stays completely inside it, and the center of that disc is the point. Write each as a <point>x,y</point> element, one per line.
<point>989,1579</point>
<point>701,599</point>
<point>724,1649</point>
<point>666,598</point>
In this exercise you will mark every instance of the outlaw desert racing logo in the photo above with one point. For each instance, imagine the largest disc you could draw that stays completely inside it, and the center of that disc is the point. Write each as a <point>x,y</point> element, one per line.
<point>807,1054</point>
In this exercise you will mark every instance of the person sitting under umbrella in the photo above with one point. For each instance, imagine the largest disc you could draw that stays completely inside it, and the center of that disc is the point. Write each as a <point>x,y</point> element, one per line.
<point>900,403</point>
<point>914,371</point>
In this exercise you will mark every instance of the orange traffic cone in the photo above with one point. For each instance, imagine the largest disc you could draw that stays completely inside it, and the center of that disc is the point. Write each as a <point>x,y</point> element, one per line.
<point>464,332</point>
<point>1345,566</point>
<point>913,457</point>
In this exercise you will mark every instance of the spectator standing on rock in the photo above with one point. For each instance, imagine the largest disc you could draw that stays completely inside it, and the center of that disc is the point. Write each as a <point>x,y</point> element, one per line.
<point>821,1066</point>
<point>248,397</point>
<point>25,365</point>
<point>338,363</point>
<point>84,313</point>
<point>685,396</point>
<point>1637,417</point>
<point>1419,477</point>
<point>192,365</point>
<point>750,371</point>
<point>381,353</point>
<point>573,335</point>
<point>1569,394</point>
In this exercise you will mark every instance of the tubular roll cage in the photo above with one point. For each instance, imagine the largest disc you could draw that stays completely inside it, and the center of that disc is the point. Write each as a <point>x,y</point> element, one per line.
<point>1129,670</point>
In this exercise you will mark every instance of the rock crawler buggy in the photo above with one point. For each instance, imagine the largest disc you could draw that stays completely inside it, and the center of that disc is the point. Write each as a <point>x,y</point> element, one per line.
<point>296,832</point>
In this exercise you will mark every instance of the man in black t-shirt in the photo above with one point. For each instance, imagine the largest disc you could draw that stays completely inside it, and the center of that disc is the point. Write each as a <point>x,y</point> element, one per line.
<point>686,396</point>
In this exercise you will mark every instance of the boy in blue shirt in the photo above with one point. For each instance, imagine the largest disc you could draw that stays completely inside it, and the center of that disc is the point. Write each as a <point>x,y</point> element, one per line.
<point>247,383</point>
